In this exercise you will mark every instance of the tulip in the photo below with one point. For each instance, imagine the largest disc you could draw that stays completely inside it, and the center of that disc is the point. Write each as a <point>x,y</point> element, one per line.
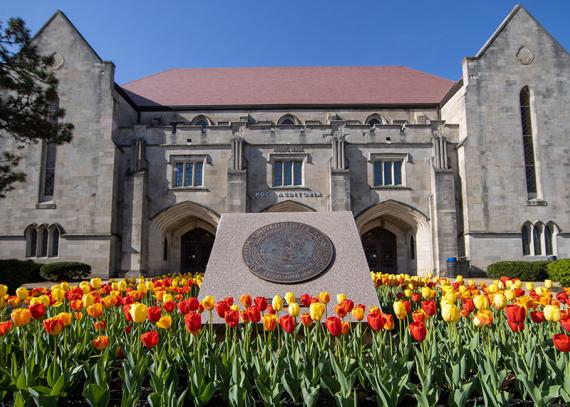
<point>419,316</point>
<point>334,325</point>
<point>3,290</point>
<point>208,303</point>
<point>324,297</point>
<point>100,325</point>
<point>165,322</point>
<point>450,312</point>
<point>277,303</point>
<point>529,286</point>
<point>287,323</point>
<point>340,298</point>
<point>548,284</point>
<point>515,313</point>
<point>537,316</point>
<point>481,302</point>
<point>65,318</point>
<point>149,339</point>
<point>96,283</point>
<point>468,306</point>
<point>88,300</point>
<point>345,327</point>
<point>418,331</point>
<point>100,343</point>
<point>510,295</point>
<point>245,300</point>
<point>429,307</point>
<point>316,310</point>
<point>37,310</point>
<point>340,310</point>
<point>306,319</point>
<point>376,321</point>
<point>221,308</point>
<point>561,342</point>
<point>232,318</point>
<point>305,300</point>
<point>484,317</point>
<point>515,326</point>
<point>21,316</point>
<point>261,303</point>
<point>154,313</point>
<point>565,322</point>
<point>254,314</point>
<point>95,310</point>
<point>193,322</point>
<point>5,327</point>
<point>269,322</point>
<point>552,313</point>
<point>138,312</point>
<point>499,301</point>
<point>53,326</point>
<point>358,312</point>
<point>169,306</point>
<point>400,310</point>
<point>22,293</point>
<point>294,309</point>
<point>290,297</point>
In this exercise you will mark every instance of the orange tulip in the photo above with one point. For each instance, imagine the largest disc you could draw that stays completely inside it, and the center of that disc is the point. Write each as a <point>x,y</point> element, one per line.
<point>389,324</point>
<point>53,326</point>
<point>5,327</point>
<point>358,312</point>
<point>269,322</point>
<point>21,316</point>
<point>345,327</point>
<point>100,343</point>
<point>484,317</point>
<point>95,310</point>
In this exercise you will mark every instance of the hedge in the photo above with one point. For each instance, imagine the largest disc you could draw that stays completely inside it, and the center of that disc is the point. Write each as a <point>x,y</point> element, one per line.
<point>559,270</point>
<point>523,270</point>
<point>65,271</point>
<point>14,273</point>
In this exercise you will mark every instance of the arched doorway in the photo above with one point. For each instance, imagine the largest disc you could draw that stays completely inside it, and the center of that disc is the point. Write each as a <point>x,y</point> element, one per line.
<point>195,248</point>
<point>380,249</point>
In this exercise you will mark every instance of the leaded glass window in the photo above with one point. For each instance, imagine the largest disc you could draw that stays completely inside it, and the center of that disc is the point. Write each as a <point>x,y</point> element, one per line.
<point>387,173</point>
<point>526,240</point>
<point>189,174</point>
<point>54,243</point>
<point>548,233</point>
<point>287,173</point>
<point>536,237</point>
<point>528,143</point>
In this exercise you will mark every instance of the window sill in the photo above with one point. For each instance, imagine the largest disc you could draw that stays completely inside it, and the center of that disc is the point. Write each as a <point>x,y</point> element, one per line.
<point>293,187</point>
<point>190,189</point>
<point>394,187</point>
<point>536,202</point>
<point>46,205</point>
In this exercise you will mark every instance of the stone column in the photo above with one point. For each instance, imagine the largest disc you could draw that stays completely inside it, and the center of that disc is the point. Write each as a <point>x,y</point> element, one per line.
<point>443,208</point>
<point>236,200</point>
<point>340,175</point>
<point>134,250</point>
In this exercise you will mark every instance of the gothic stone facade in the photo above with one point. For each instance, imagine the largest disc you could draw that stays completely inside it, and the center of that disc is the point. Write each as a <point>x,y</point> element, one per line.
<point>430,168</point>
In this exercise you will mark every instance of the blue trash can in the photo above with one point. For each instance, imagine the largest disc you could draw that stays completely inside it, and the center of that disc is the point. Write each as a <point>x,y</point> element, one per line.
<point>451,267</point>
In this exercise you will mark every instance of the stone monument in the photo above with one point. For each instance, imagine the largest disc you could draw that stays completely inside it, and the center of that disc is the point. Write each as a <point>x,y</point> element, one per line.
<point>263,254</point>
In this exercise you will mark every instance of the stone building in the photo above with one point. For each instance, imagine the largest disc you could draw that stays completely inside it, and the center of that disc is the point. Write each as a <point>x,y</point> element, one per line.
<point>429,167</point>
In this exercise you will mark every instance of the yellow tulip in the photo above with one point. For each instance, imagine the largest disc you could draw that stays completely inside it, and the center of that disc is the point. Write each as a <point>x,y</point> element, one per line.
<point>44,299</point>
<point>484,317</point>
<point>294,309</point>
<point>150,286</point>
<point>324,297</point>
<point>235,307</point>
<point>400,310</point>
<point>450,298</point>
<point>21,316</point>
<point>499,301</point>
<point>208,302</point>
<point>358,313</point>
<point>481,301</point>
<point>96,283</point>
<point>529,286</point>
<point>3,290</point>
<point>65,318</point>
<point>35,300</point>
<point>122,285</point>
<point>552,313</point>
<point>450,312</point>
<point>138,312</point>
<point>340,298</point>
<point>165,322</point>
<point>277,303</point>
<point>115,286</point>
<point>167,298</point>
<point>408,293</point>
<point>493,288</point>
<point>510,294</point>
<point>459,279</point>
<point>84,285</point>
<point>87,300</point>
<point>290,297</point>
<point>22,293</point>
<point>548,283</point>
<point>316,310</point>
<point>427,293</point>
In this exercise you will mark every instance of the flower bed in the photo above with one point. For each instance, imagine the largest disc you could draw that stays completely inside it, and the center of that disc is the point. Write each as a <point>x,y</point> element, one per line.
<point>152,341</point>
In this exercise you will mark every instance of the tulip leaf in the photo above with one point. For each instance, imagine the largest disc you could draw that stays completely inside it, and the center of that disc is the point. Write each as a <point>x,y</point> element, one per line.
<point>96,395</point>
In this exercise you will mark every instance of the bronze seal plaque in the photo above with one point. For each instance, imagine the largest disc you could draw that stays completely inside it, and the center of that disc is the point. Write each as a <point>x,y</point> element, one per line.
<point>287,252</point>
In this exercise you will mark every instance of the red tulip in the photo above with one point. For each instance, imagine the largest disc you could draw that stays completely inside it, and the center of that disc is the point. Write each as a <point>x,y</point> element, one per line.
<point>193,304</point>
<point>261,303</point>
<point>232,318</point>
<point>154,313</point>
<point>287,322</point>
<point>416,297</point>
<point>37,310</point>
<point>468,306</point>
<point>246,300</point>
<point>193,322</point>
<point>561,342</point>
<point>229,301</point>
<point>270,309</point>
<point>305,300</point>
<point>429,307</point>
<point>221,308</point>
<point>515,313</point>
<point>537,316</point>
<point>334,325</point>
<point>5,327</point>
<point>515,326</point>
<point>408,306</point>
<point>340,310</point>
<point>418,331</point>
<point>565,323</point>
<point>376,321</point>
<point>53,326</point>
<point>149,339</point>
<point>127,312</point>
<point>254,314</point>
<point>169,306</point>
<point>348,305</point>
<point>306,319</point>
<point>183,307</point>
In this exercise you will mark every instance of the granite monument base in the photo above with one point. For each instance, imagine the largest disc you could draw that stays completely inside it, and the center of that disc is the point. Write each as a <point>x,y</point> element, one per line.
<point>227,274</point>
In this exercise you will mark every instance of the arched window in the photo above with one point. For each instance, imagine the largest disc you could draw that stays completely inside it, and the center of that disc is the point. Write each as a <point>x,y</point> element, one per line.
<point>288,120</point>
<point>165,250</point>
<point>375,120</point>
<point>526,239</point>
<point>412,248</point>
<point>201,121</point>
<point>31,235</point>
<point>548,234</point>
<point>537,239</point>
<point>528,142</point>
<point>49,157</point>
<point>43,240</point>
<point>54,241</point>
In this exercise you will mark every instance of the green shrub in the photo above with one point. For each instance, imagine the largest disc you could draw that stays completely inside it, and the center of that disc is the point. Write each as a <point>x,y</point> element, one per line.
<point>65,270</point>
<point>523,270</point>
<point>14,273</point>
<point>559,270</point>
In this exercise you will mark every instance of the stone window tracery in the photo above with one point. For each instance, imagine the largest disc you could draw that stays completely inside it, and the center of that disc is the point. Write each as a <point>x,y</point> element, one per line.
<point>42,240</point>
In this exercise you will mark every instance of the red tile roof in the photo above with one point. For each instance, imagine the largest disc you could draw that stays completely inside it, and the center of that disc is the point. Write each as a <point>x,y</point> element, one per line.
<point>293,86</point>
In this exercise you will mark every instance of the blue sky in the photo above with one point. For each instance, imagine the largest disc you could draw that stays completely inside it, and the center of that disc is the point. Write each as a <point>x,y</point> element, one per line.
<point>144,37</point>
